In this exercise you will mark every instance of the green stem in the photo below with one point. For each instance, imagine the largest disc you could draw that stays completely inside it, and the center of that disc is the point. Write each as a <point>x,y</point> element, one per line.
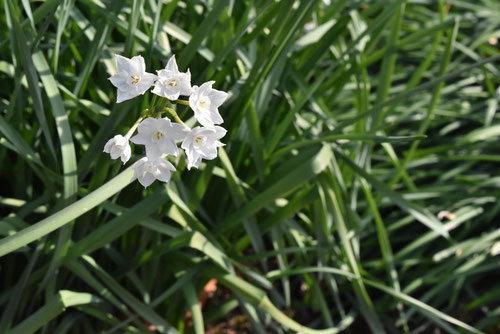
<point>186,103</point>
<point>172,114</point>
<point>45,226</point>
<point>153,101</point>
<point>163,103</point>
<point>132,129</point>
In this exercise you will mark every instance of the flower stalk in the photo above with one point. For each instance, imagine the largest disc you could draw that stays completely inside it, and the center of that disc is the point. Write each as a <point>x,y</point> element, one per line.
<point>132,129</point>
<point>172,114</point>
<point>186,103</point>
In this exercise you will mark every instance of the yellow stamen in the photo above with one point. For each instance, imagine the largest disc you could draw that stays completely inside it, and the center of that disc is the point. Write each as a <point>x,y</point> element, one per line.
<point>172,83</point>
<point>198,140</point>
<point>135,79</point>
<point>159,135</point>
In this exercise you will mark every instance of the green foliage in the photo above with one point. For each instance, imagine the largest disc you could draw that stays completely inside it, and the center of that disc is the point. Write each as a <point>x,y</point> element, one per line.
<point>357,191</point>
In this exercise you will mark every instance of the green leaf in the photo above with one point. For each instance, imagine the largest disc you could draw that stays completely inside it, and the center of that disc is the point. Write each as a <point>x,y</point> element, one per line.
<point>54,307</point>
<point>420,214</point>
<point>66,215</point>
<point>309,168</point>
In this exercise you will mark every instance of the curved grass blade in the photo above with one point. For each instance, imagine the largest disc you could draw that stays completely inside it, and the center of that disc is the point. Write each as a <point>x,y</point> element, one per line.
<point>366,305</point>
<point>192,300</point>
<point>298,176</point>
<point>54,307</point>
<point>201,34</point>
<point>20,44</point>
<point>421,214</point>
<point>258,298</point>
<point>61,218</point>
<point>144,310</point>
<point>427,309</point>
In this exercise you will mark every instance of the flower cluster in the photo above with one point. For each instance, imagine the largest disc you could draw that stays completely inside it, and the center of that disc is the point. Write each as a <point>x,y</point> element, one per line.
<point>158,134</point>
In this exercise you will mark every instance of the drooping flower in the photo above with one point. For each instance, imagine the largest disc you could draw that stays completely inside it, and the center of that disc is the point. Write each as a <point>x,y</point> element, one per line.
<point>205,101</point>
<point>132,79</point>
<point>172,83</point>
<point>159,136</point>
<point>118,146</point>
<point>201,143</point>
<point>146,171</point>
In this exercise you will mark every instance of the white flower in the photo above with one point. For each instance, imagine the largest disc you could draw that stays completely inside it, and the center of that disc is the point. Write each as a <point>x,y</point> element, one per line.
<point>132,79</point>
<point>146,171</point>
<point>205,102</point>
<point>202,143</point>
<point>172,83</point>
<point>118,146</point>
<point>159,136</point>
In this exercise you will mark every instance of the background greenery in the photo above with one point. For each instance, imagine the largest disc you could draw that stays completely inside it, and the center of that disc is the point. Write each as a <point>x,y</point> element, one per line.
<point>358,190</point>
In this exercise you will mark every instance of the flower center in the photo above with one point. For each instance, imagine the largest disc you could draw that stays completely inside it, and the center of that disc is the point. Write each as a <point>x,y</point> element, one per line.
<point>200,141</point>
<point>150,168</point>
<point>135,79</point>
<point>157,136</point>
<point>172,83</point>
<point>204,104</point>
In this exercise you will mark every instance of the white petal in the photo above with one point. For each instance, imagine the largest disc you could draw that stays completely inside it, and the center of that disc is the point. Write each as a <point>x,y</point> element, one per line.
<point>147,80</point>
<point>146,179</point>
<point>139,163</point>
<point>171,93</point>
<point>116,151</point>
<point>172,65</point>
<point>124,95</point>
<point>217,97</point>
<point>167,165</point>
<point>137,65</point>
<point>188,141</point>
<point>120,140</point>
<point>206,87</point>
<point>122,64</point>
<point>119,80</point>
<point>158,89</point>
<point>153,151</point>
<point>164,175</point>
<point>192,156</point>
<point>178,131</point>
<point>215,116</point>
<point>193,99</point>
<point>109,144</point>
<point>203,118</point>
<point>164,170</point>
<point>219,132</point>
<point>149,125</point>
<point>210,151</point>
<point>194,163</point>
<point>163,124</point>
<point>125,156</point>
<point>185,83</point>
<point>167,146</point>
<point>139,139</point>
<point>163,75</point>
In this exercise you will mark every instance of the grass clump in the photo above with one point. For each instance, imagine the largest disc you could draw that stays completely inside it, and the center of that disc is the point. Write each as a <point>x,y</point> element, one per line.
<point>357,191</point>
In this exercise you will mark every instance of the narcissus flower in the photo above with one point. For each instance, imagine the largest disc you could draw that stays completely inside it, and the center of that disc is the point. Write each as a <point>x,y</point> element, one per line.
<point>146,171</point>
<point>201,143</point>
<point>132,79</point>
<point>205,101</point>
<point>118,146</point>
<point>159,136</point>
<point>172,83</point>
